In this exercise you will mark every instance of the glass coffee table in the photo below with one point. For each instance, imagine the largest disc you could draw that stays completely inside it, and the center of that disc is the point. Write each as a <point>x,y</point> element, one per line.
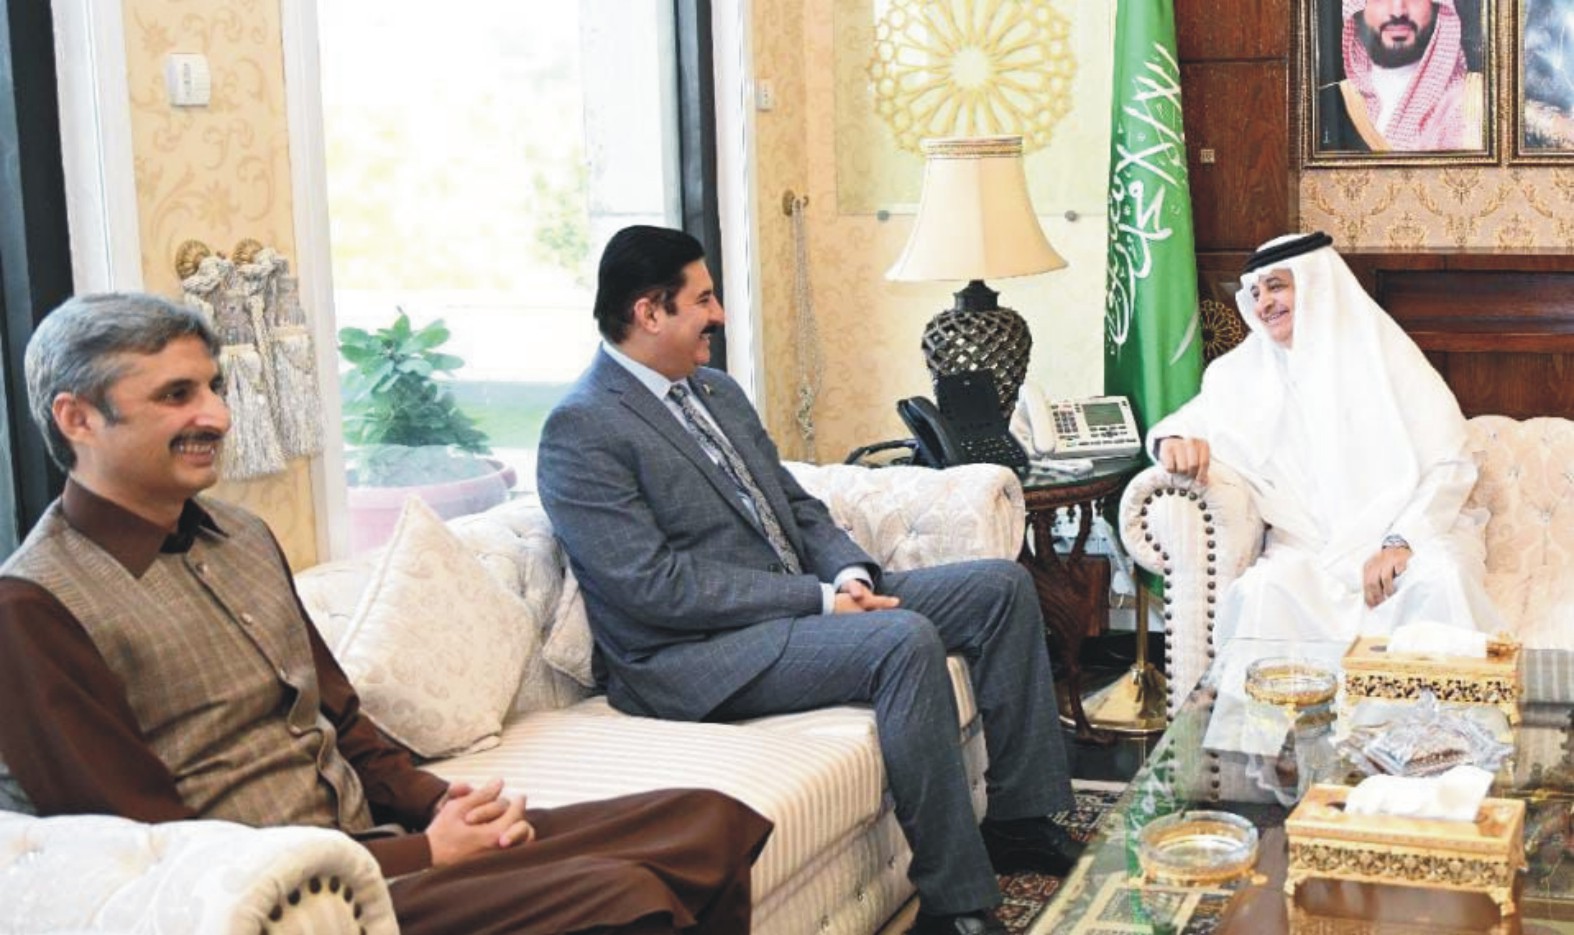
<point>1104,894</point>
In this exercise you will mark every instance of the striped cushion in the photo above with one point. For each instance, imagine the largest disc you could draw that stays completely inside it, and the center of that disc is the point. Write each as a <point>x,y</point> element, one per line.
<point>817,774</point>
<point>816,789</point>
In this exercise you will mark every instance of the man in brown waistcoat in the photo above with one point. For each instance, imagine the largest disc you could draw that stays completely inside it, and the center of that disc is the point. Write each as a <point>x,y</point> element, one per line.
<point>156,663</point>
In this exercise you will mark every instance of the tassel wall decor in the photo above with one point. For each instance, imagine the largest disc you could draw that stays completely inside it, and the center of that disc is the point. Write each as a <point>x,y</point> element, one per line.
<point>288,346</point>
<point>252,448</point>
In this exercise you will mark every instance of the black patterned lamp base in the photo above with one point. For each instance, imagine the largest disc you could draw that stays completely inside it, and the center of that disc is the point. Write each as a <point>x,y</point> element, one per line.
<point>977,334</point>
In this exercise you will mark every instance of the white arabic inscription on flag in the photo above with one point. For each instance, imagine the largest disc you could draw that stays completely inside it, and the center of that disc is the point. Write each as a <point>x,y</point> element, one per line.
<point>1136,205</point>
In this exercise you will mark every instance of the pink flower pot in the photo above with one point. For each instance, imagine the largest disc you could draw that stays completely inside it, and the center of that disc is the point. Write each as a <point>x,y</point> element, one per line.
<point>374,511</point>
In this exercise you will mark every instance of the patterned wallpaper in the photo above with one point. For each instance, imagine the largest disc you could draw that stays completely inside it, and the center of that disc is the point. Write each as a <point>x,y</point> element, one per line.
<point>217,174</point>
<point>869,328</point>
<point>1423,208</point>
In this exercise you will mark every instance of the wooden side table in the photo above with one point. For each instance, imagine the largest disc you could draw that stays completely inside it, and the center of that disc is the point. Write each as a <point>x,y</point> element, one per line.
<point>1073,586</point>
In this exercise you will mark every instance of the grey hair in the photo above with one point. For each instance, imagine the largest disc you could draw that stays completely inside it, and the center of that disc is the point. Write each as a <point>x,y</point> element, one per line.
<point>79,349</point>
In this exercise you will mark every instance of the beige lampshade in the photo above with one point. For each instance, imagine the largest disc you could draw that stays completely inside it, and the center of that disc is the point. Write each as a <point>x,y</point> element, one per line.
<point>975,219</point>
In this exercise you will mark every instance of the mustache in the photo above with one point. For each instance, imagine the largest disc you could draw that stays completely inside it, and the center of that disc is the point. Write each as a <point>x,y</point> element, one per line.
<point>202,437</point>
<point>710,329</point>
<point>1400,19</point>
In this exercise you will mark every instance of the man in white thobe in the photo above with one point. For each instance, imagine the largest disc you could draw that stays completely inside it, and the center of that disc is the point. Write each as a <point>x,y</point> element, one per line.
<point>1355,453</point>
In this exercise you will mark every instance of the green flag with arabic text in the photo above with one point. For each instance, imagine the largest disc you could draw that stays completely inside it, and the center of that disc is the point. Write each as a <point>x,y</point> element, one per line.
<point>1152,337</point>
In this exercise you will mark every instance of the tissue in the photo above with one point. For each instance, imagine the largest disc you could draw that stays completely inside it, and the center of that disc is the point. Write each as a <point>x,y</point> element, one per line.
<point>1453,796</point>
<point>1429,638</point>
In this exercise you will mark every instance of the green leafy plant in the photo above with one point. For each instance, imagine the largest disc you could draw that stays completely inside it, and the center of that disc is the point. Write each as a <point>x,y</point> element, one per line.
<point>395,403</point>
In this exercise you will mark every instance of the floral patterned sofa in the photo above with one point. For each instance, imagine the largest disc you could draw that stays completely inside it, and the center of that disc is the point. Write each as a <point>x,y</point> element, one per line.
<point>1202,538</point>
<point>836,862</point>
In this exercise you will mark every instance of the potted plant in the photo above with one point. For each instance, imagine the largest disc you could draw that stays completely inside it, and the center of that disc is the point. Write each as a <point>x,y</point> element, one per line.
<point>411,438</point>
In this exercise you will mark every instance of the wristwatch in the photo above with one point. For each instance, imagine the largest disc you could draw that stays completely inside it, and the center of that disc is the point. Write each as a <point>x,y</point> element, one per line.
<point>1395,542</point>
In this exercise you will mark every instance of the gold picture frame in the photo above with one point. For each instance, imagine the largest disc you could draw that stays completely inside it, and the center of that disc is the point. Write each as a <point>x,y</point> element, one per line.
<point>1337,128</point>
<point>1543,98</point>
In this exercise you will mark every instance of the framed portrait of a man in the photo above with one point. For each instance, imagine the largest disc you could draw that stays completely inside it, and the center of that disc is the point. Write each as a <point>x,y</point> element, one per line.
<point>1395,82</point>
<point>1544,81</point>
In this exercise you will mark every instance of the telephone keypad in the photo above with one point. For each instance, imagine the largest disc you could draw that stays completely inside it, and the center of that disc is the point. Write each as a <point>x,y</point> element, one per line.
<point>993,450</point>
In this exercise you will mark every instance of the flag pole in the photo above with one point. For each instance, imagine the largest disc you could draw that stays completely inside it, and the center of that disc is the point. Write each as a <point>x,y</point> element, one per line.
<point>1135,702</point>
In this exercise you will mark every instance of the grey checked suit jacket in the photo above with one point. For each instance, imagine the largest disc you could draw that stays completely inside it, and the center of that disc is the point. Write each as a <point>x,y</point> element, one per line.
<point>686,599</point>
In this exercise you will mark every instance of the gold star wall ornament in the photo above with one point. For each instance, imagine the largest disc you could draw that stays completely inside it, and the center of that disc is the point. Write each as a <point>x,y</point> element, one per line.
<point>1222,329</point>
<point>972,68</point>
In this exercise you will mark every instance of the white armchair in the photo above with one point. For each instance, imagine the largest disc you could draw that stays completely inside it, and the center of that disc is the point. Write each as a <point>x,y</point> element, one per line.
<point>1200,538</point>
<point>93,873</point>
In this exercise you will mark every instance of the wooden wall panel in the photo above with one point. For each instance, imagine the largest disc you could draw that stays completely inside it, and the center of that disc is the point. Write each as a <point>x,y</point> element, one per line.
<point>1240,111</point>
<point>1520,386</point>
<point>1498,327</point>
<point>1210,30</point>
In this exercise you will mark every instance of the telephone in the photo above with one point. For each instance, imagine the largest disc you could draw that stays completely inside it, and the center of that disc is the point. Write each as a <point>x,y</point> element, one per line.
<point>1100,427</point>
<point>967,428</point>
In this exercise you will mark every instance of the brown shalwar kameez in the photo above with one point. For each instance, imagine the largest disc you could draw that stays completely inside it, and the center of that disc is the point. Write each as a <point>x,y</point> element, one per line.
<point>71,742</point>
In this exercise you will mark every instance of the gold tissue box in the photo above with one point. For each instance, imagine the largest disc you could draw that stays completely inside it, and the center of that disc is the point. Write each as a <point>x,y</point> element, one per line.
<point>1370,671</point>
<point>1481,856</point>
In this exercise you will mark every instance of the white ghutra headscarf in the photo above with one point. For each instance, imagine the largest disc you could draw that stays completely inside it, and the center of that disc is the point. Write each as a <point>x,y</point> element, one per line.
<point>1334,433</point>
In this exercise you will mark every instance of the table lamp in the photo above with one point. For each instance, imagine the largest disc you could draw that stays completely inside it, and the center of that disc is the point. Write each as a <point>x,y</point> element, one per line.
<point>975,222</point>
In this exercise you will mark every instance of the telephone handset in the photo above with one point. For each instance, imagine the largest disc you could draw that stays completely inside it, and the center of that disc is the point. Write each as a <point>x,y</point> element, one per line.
<point>967,428</point>
<point>1100,427</point>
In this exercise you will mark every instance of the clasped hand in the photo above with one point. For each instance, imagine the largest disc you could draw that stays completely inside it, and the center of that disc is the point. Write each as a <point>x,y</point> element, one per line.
<point>855,597</point>
<point>1380,576</point>
<point>472,821</point>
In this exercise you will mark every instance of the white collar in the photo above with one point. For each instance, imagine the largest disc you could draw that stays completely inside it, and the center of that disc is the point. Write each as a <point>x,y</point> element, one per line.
<point>648,378</point>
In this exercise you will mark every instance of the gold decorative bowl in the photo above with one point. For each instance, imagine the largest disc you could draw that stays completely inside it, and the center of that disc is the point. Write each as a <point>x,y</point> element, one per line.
<point>1290,683</point>
<point>1198,847</point>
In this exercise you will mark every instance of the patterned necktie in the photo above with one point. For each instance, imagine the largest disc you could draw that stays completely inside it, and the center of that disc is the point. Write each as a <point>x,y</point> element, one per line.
<point>717,445</point>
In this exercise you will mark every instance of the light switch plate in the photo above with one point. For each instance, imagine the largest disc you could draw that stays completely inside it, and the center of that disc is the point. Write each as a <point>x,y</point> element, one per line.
<point>188,79</point>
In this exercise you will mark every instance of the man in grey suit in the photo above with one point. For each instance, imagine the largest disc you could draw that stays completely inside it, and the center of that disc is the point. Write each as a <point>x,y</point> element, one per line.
<point>718,589</point>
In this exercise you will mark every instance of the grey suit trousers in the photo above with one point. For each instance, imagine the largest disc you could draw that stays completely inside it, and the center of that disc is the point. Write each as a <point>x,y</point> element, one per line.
<point>896,660</point>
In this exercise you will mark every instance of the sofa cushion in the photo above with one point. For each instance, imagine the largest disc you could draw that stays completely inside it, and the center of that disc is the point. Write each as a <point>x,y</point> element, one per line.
<point>1527,485</point>
<point>912,517</point>
<point>437,646</point>
<point>818,774</point>
<point>516,545</point>
<point>817,789</point>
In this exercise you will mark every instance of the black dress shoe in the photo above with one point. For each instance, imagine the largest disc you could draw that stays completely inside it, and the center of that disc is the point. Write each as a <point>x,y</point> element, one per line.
<point>982,922</point>
<point>1036,845</point>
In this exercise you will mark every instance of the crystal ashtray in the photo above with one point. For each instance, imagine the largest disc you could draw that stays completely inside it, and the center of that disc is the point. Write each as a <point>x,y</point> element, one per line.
<point>1292,683</point>
<point>1197,847</point>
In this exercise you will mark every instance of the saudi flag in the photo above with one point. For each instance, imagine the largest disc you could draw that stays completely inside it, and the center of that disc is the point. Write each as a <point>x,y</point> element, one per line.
<point>1153,341</point>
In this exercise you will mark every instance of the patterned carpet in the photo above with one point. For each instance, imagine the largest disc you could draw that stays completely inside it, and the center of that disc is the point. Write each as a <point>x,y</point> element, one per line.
<point>1028,893</point>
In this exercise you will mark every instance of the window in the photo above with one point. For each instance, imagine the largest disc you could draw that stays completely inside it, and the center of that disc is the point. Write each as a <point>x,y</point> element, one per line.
<point>478,155</point>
